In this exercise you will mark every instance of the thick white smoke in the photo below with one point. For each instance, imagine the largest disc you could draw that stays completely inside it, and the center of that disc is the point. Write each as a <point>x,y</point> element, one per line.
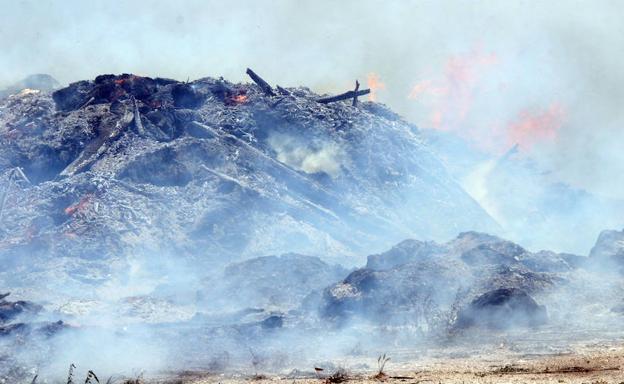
<point>301,155</point>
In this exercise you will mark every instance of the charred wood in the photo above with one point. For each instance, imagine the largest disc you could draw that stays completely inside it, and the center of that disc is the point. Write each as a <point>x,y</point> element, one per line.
<point>137,118</point>
<point>344,96</point>
<point>282,91</point>
<point>355,96</point>
<point>266,88</point>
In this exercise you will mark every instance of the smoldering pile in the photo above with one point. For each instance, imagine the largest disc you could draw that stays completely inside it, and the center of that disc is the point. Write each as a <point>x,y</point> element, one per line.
<point>152,201</point>
<point>220,167</point>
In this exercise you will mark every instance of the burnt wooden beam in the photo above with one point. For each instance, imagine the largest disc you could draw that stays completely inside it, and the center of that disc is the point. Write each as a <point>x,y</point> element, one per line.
<point>344,96</point>
<point>137,118</point>
<point>266,88</point>
<point>283,91</point>
<point>357,87</point>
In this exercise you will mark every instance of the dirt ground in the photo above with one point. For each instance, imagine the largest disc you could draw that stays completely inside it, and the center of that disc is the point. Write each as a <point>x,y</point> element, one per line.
<point>589,364</point>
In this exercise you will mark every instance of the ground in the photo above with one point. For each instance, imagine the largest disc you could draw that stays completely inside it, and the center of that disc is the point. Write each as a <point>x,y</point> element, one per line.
<point>598,363</point>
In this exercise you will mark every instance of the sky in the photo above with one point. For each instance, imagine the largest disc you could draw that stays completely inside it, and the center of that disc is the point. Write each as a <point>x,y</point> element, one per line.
<point>544,74</point>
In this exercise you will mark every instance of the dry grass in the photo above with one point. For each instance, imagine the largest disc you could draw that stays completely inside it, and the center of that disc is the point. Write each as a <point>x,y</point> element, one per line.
<point>381,364</point>
<point>339,376</point>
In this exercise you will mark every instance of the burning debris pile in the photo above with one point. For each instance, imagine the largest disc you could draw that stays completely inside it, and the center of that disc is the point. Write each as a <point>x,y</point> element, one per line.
<point>209,169</point>
<point>152,201</point>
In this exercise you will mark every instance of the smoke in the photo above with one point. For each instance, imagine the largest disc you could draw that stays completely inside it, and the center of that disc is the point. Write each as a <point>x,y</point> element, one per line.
<point>473,67</point>
<point>299,154</point>
<point>544,75</point>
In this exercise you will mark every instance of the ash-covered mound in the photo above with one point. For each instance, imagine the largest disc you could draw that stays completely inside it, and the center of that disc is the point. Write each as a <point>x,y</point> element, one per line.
<point>213,171</point>
<point>36,82</point>
<point>20,318</point>
<point>280,282</point>
<point>426,284</point>
<point>609,249</point>
<point>503,308</point>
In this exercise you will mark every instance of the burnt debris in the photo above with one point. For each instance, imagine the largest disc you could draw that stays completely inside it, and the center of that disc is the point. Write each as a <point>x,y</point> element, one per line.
<point>119,143</point>
<point>345,96</point>
<point>20,318</point>
<point>501,309</point>
<point>39,82</point>
<point>264,86</point>
<point>426,283</point>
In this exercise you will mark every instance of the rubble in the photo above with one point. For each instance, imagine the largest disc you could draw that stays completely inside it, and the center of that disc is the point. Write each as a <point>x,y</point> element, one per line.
<point>271,281</point>
<point>125,164</point>
<point>609,248</point>
<point>19,318</point>
<point>425,283</point>
<point>211,177</point>
<point>503,308</point>
<point>9,310</point>
<point>37,82</point>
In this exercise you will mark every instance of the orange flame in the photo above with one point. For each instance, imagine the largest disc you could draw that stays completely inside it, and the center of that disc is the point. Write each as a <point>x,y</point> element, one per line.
<point>239,99</point>
<point>531,127</point>
<point>127,79</point>
<point>80,206</point>
<point>375,84</point>
<point>451,95</point>
<point>455,99</point>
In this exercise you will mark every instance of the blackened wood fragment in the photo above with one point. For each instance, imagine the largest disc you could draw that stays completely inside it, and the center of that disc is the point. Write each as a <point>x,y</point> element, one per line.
<point>266,88</point>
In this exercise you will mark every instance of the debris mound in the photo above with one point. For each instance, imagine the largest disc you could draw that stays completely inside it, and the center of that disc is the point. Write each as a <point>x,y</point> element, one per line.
<point>19,318</point>
<point>30,84</point>
<point>127,164</point>
<point>503,308</point>
<point>474,280</point>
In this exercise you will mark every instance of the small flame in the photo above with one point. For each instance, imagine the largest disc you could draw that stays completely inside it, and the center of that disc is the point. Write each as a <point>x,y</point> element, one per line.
<point>80,206</point>
<point>375,84</point>
<point>239,99</point>
<point>451,94</point>
<point>531,127</point>
<point>130,78</point>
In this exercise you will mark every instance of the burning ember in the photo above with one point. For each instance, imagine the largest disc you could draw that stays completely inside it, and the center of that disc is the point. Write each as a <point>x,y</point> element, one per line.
<point>451,95</point>
<point>375,84</point>
<point>79,207</point>
<point>454,101</point>
<point>531,127</point>
<point>130,79</point>
<point>239,99</point>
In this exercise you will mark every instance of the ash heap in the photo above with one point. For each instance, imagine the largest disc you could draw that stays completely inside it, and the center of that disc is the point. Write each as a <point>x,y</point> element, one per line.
<point>152,206</point>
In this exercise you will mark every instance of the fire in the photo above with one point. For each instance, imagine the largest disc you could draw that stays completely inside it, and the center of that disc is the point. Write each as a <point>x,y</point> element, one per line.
<point>80,206</point>
<point>450,95</point>
<point>239,99</point>
<point>456,99</point>
<point>375,84</point>
<point>531,127</point>
<point>130,78</point>
<point>425,88</point>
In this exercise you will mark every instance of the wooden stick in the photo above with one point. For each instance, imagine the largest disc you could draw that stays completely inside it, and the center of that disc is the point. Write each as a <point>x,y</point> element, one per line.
<point>283,91</point>
<point>357,87</point>
<point>266,88</point>
<point>344,96</point>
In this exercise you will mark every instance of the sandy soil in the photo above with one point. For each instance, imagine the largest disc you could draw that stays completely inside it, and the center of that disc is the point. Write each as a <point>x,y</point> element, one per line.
<point>589,364</point>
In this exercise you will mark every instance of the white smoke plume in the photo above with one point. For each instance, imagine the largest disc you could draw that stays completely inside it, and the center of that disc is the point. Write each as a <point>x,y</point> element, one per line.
<point>301,155</point>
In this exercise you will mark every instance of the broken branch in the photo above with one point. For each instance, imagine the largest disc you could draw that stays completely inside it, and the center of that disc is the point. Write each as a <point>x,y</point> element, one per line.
<point>357,87</point>
<point>344,96</point>
<point>266,88</point>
